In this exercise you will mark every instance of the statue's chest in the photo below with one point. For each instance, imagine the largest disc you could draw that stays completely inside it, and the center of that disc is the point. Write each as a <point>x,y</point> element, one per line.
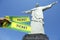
<point>38,10</point>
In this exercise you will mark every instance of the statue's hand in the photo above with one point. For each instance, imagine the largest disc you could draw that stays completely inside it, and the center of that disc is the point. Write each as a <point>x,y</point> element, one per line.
<point>26,11</point>
<point>23,12</point>
<point>54,3</point>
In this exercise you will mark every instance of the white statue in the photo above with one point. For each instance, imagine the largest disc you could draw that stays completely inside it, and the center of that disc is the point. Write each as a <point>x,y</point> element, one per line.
<point>37,23</point>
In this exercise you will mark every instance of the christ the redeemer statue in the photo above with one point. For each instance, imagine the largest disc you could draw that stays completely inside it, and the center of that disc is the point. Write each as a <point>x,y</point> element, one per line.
<point>37,23</point>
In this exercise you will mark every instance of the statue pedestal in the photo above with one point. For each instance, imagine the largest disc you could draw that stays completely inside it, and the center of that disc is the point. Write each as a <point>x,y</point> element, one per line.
<point>35,37</point>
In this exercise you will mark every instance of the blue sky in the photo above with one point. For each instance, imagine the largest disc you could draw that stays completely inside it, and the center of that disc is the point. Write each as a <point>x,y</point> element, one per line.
<point>15,8</point>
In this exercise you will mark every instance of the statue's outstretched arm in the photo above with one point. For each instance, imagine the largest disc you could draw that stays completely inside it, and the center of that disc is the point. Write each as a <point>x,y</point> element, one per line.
<point>29,11</point>
<point>49,6</point>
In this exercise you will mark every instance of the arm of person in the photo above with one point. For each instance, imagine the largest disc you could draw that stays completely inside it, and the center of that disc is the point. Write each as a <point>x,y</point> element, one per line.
<point>29,11</point>
<point>49,6</point>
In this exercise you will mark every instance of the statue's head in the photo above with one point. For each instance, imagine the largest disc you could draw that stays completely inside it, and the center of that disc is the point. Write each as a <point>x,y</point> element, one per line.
<point>37,5</point>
